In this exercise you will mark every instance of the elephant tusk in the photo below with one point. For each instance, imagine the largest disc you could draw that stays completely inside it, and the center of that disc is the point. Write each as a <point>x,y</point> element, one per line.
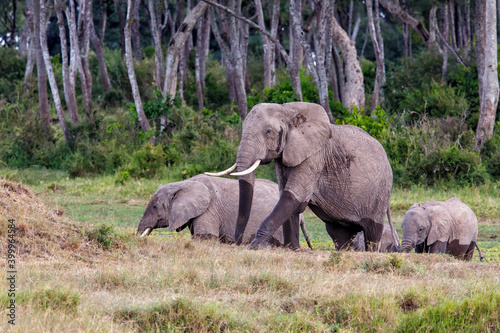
<point>146,232</point>
<point>222,173</point>
<point>247,171</point>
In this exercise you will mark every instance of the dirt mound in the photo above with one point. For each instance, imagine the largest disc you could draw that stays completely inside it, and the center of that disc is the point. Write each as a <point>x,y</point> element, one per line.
<point>40,230</point>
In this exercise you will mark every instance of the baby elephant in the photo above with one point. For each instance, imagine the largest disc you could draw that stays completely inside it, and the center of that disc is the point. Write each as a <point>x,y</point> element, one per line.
<point>388,242</point>
<point>440,227</point>
<point>209,207</point>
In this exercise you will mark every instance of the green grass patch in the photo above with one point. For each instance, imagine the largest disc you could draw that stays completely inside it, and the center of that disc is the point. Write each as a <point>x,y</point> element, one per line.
<point>479,313</point>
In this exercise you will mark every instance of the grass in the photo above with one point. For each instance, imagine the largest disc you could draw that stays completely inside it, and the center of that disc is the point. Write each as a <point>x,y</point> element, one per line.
<point>91,274</point>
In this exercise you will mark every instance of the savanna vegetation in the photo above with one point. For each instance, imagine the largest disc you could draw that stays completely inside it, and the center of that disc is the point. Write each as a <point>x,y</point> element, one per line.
<point>76,178</point>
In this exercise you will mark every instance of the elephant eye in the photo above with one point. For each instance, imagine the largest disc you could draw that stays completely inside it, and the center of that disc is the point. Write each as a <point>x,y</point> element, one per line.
<point>154,207</point>
<point>269,130</point>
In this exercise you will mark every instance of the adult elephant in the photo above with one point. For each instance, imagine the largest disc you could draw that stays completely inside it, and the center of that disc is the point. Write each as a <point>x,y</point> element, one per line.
<point>340,171</point>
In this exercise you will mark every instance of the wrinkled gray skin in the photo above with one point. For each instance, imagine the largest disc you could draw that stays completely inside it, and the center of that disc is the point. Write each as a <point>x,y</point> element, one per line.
<point>440,227</point>
<point>388,242</point>
<point>209,207</point>
<point>340,171</point>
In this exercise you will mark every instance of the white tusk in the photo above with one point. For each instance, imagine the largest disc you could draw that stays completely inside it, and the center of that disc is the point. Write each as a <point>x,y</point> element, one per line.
<point>247,171</point>
<point>146,232</point>
<point>222,173</point>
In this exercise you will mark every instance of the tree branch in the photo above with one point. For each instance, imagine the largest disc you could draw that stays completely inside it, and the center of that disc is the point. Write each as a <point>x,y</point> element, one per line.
<point>443,40</point>
<point>283,52</point>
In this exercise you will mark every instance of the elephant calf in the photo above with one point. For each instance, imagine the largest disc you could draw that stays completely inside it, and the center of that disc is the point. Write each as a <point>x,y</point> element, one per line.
<point>209,207</point>
<point>388,242</point>
<point>440,227</point>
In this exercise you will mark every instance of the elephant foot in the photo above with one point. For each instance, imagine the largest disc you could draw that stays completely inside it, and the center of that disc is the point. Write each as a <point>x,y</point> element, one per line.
<point>256,245</point>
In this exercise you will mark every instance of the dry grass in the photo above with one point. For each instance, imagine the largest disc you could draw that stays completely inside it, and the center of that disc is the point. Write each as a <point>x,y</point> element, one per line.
<point>68,282</point>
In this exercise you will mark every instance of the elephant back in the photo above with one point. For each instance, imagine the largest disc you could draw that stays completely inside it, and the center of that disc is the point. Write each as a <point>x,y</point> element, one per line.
<point>465,224</point>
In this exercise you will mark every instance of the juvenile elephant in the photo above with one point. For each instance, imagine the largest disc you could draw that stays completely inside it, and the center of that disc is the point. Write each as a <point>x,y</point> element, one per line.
<point>440,227</point>
<point>209,207</point>
<point>340,171</point>
<point>388,243</point>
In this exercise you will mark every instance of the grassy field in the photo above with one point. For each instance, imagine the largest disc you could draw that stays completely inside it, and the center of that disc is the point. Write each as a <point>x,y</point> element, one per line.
<point>81,268</point>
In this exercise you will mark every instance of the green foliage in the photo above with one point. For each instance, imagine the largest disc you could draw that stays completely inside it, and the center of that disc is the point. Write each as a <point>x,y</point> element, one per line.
<point>377,125</point>
<point>56,299</point>
<point>179,315</point>
<point>477,313</point>
<point>431,152</point>
<point>103,234</point>
<point>12,69</point>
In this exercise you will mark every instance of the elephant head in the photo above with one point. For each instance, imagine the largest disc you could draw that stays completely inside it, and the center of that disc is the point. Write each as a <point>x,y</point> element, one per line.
<point>289,132</point>
<point>173,205</point>
<point>424,225</point>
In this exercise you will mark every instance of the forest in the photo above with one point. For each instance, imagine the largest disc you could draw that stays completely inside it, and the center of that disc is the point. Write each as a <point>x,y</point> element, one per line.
<point>103,101</point>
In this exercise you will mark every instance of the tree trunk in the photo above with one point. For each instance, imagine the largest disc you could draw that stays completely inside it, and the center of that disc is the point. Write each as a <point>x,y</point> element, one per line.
<point>97,44</point>
<point>354,92</point>
<point>121,20</point>
<point>136,35</point>
<point>269,49</point>
<point>43,98</point>
<point>295,51</point>
<point>175,46</point>
<point>50,71</point>
<point>29,39</point>
<point>69,88</point>
<point>379,53</point>
<point>445,32</point>
<point>143,121</point>
<point>487,68</point>
<point>156,31</point>
<point>203,26</point>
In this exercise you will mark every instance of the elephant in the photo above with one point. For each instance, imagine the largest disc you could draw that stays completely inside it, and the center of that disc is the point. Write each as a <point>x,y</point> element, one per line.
<point>208,206</point>
<point>441,227</point>
<point>388,243</point>
<point>339,171</point>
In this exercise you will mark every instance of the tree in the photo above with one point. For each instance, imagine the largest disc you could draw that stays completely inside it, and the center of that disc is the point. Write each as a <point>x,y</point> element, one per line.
<point>48,66</point>
<point>97,44</point>
<point>143,121</point>
<point>487,68</point>
<point>378,46</point>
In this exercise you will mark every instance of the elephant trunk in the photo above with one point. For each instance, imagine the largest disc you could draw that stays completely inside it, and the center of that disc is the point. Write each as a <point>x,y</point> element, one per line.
<point>406,245</point>
<point>245,159</point>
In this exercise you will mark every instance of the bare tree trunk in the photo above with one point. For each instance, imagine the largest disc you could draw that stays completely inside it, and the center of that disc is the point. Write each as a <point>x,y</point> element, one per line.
<point>50,71</point>
<point>80,47</point>
<point>445,27</point>
<point>43,98</point>
<point>156,31</point>
<point>269,49</point>
<point>29,36</point>
<point>487,68</point>
<point>143,121</point>
<point>354,92</point>
<point>97,44</point>
<point>432,42</point>
<point>453,30</point>
<point>121,20</point>
<point>379,56</point>
<point>136,35</point>
<point>175,46</point>
<point>230,44</point>
<point>69,88</point>
<point>203,26</point>
<point>295,50</point>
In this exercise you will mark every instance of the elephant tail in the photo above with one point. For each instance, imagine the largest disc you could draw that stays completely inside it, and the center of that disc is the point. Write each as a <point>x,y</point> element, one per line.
<point>393,231</point>
<point>481,257</point>
<point>303,227</point>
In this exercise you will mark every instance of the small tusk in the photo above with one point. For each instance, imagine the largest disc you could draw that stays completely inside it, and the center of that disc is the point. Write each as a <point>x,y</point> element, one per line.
<point>222,173</point>
<point>247,171</point>
<point>146,232</point>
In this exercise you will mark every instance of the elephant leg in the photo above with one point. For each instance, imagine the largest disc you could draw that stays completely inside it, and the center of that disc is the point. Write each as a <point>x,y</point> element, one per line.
<point>420,248</point>
<point>373,233</point>
<point>291,232</point>
<point>341,236</point>
<point>438,247</point>
<point>470,251</point>
<point>287,206</point>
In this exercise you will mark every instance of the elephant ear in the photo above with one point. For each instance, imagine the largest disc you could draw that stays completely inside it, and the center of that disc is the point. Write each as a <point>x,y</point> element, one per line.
<point>190,201</point>
<point>441,222</point>
<point>308,132</point>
